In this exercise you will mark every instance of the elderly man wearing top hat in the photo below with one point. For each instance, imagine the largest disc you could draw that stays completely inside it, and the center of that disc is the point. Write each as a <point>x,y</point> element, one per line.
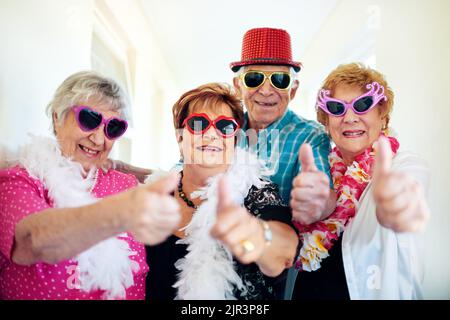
<point>265,80</point>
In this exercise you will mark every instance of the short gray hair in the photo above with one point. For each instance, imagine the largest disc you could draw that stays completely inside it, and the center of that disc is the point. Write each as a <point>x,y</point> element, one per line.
<point>85,85</point>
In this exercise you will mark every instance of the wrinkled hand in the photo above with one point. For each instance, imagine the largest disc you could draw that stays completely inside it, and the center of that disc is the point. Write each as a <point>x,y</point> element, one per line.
<point>310,191</point>
<point>401,204</point>
<point>155,214</point>
<point>235,224</point>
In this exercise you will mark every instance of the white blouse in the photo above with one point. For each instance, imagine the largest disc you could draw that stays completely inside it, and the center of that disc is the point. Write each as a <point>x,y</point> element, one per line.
<point>380,263</point>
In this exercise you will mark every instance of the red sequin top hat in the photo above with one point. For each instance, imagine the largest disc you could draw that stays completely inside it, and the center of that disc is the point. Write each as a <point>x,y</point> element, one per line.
<point>266,46</point>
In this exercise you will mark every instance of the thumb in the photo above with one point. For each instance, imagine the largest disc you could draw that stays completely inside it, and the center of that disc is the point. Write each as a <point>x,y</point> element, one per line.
<point>165,185</point>
<point>223,194</point>
<point>306,158</point>
<point>383,158</point>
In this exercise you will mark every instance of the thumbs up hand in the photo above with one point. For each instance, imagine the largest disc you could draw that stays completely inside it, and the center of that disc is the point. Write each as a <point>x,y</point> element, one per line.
<point>236,228</point>
<point>311,195</point>
<point>152,213</point>
<point>401,204</point>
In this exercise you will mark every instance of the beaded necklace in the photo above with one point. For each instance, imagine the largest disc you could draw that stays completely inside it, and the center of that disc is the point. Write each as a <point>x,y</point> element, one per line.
<point>183,195</point>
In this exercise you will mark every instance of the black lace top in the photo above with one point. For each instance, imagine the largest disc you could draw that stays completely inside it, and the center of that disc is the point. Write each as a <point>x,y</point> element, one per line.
<point>265,203</point>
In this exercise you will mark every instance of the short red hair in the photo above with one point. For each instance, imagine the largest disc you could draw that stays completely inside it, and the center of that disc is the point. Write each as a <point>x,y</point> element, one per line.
<point>209,94</point>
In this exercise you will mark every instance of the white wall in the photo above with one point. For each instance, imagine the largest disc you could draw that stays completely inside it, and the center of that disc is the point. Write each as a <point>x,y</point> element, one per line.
<point>413,49</point>
<point>41,43</point>
<point>154,89</point>
<point>410,40</point>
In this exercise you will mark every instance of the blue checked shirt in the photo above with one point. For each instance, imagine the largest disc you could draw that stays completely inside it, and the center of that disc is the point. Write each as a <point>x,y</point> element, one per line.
<point>279,144</point>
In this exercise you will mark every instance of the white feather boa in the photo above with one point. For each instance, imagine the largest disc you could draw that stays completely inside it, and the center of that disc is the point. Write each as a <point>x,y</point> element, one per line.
<point>207,271</point>
<point>105,266</point>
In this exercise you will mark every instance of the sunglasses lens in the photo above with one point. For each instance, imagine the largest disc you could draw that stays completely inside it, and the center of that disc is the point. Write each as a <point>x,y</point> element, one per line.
<point>89,119</point>
<point>363,104</point>
<point>116,128</point>
<point>335,107</point>
<point>281,80</point>
<point>226,127</point>
<point>198,124</point>
<point>253,79</point>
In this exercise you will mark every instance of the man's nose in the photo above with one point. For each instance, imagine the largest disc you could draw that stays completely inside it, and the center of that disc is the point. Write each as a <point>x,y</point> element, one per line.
<point>266,88</point>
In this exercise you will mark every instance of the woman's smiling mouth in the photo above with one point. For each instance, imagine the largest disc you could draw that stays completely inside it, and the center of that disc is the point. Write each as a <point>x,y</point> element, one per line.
<point>89,152</point>
<point>353,133</point>
<point>207,148</point>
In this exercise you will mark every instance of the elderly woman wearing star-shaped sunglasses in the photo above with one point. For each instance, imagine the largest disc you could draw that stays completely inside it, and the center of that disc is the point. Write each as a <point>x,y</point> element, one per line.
<point>59,239</point>
<point>369,246</point>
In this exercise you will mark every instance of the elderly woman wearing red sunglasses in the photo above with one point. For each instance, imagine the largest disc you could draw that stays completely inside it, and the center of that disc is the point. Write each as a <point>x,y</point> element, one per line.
<point>368,248</point>
<point>236,238</point>
<point>57,239</point>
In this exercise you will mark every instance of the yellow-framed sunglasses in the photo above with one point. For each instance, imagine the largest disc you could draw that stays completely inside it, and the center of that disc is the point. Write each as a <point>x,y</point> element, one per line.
<point>253,79</point>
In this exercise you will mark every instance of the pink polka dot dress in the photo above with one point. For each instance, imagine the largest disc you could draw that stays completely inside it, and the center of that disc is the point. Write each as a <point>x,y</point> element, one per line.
<point>22,195</point>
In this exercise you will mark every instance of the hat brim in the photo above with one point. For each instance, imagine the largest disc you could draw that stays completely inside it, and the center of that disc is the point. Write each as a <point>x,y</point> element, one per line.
<point>235,66</point>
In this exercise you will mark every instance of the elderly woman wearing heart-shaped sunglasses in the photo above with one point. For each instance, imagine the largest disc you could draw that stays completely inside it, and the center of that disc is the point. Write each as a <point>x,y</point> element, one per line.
<point>236,238</point>
<point>58,240</point>
<point>368,248</point>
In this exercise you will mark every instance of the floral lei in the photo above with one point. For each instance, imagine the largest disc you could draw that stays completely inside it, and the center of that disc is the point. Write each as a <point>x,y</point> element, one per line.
<point>349,184</point>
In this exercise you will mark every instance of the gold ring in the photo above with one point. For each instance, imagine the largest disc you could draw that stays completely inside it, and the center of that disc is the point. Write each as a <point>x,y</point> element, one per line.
<point>247,245</point>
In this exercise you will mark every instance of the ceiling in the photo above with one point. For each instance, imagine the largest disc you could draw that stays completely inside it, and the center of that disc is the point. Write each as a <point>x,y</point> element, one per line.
<point>201,37</point>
